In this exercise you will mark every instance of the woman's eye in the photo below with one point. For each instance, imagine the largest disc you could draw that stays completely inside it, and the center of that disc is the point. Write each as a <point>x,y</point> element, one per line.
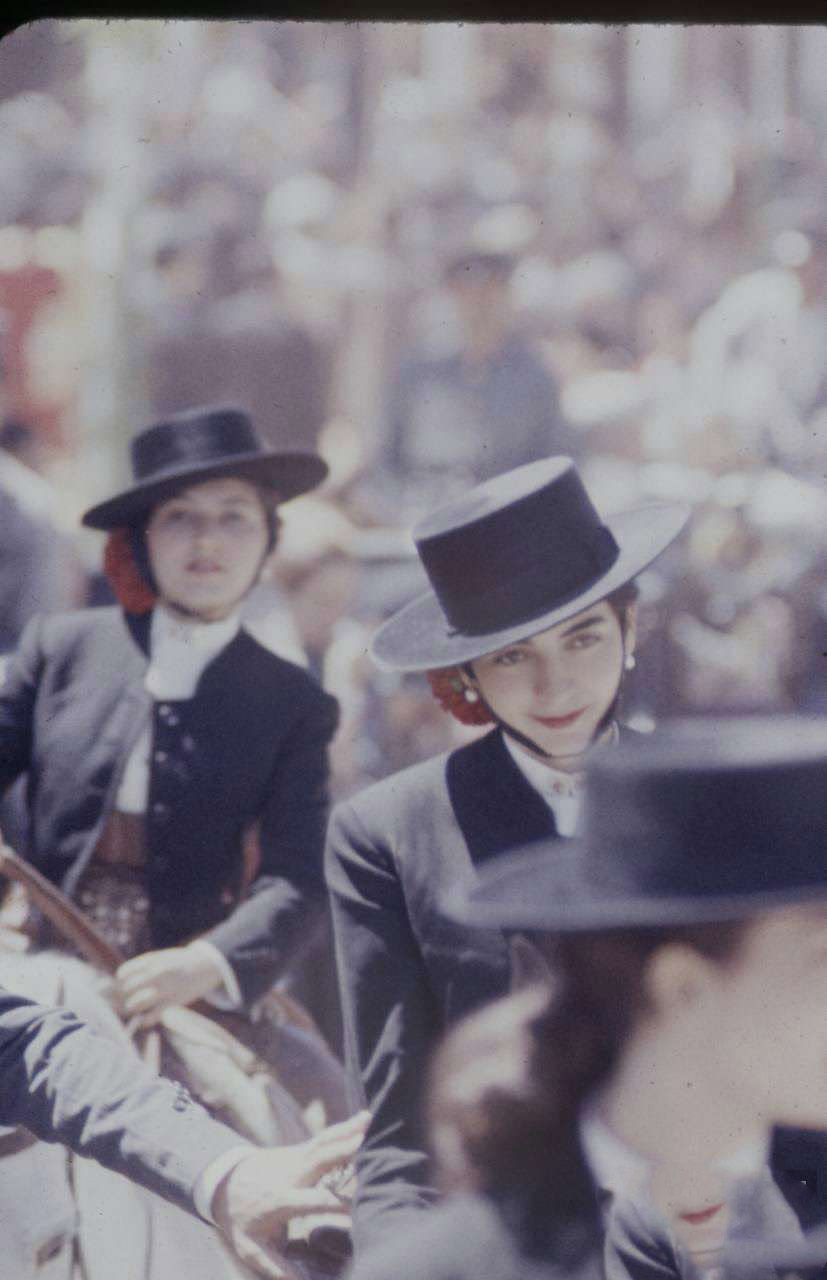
<point>510,658</point>
<point>585,640</point>
<point>241,519</point>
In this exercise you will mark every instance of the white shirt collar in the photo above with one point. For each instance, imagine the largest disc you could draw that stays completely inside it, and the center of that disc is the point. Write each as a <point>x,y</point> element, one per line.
<point>180,650</point>
<point>542,776</point>
<point>561,791</point>
<point>166,628</point>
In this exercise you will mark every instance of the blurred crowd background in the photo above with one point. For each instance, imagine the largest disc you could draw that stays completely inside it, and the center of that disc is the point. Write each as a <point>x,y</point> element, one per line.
<point>432,252</point>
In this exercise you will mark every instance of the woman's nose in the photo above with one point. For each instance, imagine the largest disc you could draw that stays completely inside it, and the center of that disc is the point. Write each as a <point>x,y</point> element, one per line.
<point>205,529</point>
<point>546,676</point>
<point>553,675</point>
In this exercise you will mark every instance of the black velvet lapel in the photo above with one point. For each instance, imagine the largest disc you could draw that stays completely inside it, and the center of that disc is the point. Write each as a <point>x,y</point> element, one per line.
<point>239,672</point>
<point>798,1159</point>
<point>496,808</point>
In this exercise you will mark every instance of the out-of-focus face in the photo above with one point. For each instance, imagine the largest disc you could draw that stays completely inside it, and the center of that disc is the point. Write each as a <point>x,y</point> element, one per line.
<point>759,1029</point>
<point>768,1018</point>
<point>482,302</point>
<point>557,686</point>
<point>206,546</point>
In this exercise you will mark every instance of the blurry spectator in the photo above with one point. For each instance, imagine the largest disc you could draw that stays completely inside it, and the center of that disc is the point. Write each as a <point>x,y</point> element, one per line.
<point>269,360</point>
<point>38,573</point>
<point>487,407</point>
<point>321,593</point>
<point>757,352</point>
<point>223,334</point>
<point>179,354</point>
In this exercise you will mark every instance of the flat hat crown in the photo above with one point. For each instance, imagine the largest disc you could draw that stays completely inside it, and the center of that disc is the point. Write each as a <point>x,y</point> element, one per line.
<point>515,547</point>
<point>195,436</point>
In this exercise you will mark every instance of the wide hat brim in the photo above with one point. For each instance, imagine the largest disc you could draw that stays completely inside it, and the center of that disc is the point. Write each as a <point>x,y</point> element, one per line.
<point>420,637</point>
<point>287,473</point>
<point>548,889</point>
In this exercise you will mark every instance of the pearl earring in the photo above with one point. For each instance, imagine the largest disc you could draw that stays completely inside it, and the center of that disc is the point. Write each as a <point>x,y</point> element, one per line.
<point>629,662</point>
<point>470,695</point>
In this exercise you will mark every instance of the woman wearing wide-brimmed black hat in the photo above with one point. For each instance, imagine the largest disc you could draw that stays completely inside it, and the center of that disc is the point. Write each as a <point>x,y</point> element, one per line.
<point>177,769</point>
<point>615,1123</point>
<point>530,626</point>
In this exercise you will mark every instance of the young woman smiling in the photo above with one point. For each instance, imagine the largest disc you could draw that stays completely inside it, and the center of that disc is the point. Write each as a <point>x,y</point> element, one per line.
<point>529,627</point>
<point>556,693</point>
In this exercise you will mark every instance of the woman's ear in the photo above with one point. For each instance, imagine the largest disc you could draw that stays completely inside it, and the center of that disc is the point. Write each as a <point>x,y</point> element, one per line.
<point>676,978</point>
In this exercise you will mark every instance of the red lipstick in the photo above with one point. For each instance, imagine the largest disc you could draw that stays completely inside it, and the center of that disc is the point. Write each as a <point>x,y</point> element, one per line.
<point>703,1215</point>
<point>559,722</point>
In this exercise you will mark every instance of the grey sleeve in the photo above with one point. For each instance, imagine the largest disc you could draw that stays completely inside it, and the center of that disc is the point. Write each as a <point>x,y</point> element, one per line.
<point>68,1084</point>
<point>388,1020</point>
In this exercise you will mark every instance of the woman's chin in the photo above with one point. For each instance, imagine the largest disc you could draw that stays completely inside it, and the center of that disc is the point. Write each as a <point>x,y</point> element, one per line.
<point>562,744</point>
<point>200,609</point>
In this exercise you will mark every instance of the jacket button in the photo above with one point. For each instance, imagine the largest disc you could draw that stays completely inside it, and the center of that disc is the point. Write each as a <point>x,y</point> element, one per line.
<point>160,757</point>
<point>168,715</point>
<point>183,1098</point>
<point>160,810</point>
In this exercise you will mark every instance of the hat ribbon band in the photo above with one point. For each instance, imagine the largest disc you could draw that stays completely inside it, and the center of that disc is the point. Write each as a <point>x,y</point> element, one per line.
<point>533,589</point>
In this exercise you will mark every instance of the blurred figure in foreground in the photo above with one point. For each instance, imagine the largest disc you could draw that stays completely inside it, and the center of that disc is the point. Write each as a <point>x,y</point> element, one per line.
<point>619,1123</point>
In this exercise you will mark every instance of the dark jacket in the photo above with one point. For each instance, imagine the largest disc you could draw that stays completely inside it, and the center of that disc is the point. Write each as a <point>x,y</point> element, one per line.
<point>249,747</point>
<point>405,971</point>
<point>67,1084</point>
<point>470,1236</point>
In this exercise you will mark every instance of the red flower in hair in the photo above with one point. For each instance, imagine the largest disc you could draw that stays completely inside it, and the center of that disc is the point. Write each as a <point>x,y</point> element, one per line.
<point>132,591</point>
<point>448,688</point>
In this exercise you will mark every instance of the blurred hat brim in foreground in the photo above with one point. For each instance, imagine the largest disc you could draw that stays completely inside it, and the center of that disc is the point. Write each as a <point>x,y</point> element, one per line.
<point>703,820</point>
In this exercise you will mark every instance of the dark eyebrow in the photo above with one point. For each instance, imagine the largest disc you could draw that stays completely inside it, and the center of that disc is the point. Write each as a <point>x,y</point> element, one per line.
<point>594,620</point>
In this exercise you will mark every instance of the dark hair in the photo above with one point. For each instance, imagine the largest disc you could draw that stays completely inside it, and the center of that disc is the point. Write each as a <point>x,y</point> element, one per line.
<point>15,434</point>
<point>622,600</point>
<point>508,1084</point>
